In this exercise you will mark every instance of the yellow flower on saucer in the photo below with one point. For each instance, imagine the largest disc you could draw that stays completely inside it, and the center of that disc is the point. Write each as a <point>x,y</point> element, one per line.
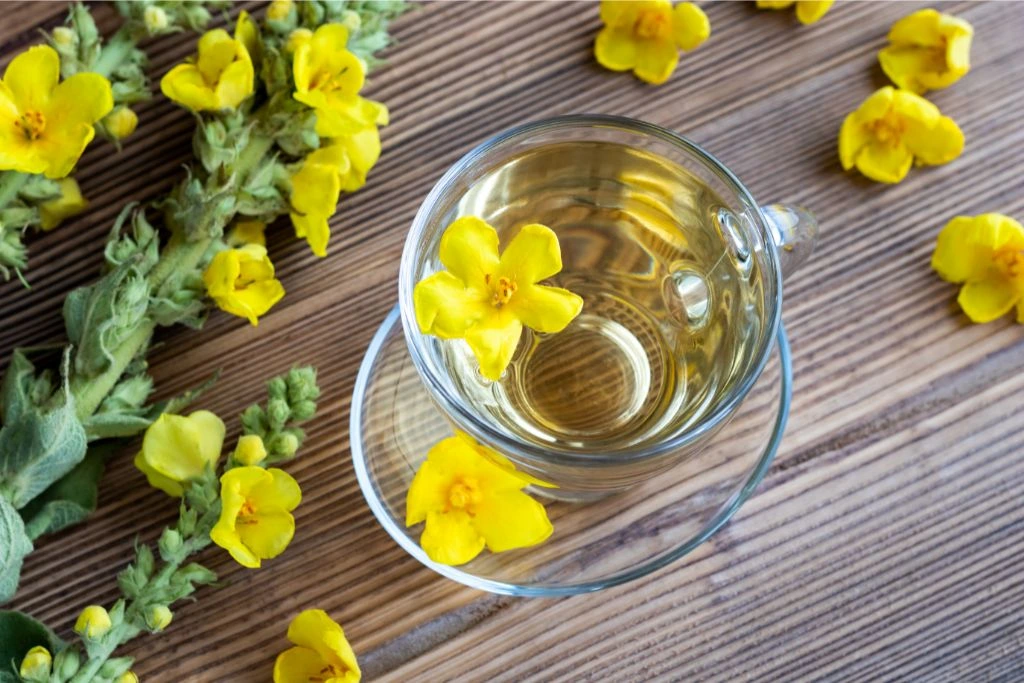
<point>807,11</point>
<point>927,51</point>
<point>70,203</point>
<point>486,299</point>
<point>255,521</point>
<point>986,254</point>
<point>469,502</point>
<point>241,282</point>
<point>221,77</point>
<point>45,124</point>
<point>177,449</point>
<point>646,36</point>
<point>321,652</point>
<point>314,197</point>
<point>892,129</point>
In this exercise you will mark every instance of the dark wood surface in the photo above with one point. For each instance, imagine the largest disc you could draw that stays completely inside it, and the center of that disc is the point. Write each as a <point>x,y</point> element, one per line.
<point>885,542</point>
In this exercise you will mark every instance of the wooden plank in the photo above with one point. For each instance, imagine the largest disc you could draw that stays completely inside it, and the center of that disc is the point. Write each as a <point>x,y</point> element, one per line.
<point>883,542</point>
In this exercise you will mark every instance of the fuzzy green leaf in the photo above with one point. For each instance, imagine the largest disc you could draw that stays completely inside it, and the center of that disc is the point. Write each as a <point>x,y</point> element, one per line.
<point>14,546</point>
<point>15,392</point>
<point>19,633</point>
<point>69,500</point>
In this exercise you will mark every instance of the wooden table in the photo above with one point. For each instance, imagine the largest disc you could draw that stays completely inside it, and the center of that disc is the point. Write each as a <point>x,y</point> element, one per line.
<point>885,541</point>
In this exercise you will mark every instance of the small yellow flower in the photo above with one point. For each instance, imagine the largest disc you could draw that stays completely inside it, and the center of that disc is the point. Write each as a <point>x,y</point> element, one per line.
<point>321,652</point>
<point>177,449</point>
<point>45,125</point>
<point>250,450</point>
<point>646,36</point>
<point>891,129</point>
<point>155,19</point>
<point>986,253</point>
<point>36,665</point>
<point>927,51</point>
<point>241,281</point>
<point>255,520</point>
<point>486,299</point>
<point>128,677</point>
<point>158,617</point>
<point>69,203</point>
<point>247,231</point>
<point>467,502</point>
<point>93,622</point>
<point>314,197</point>
<point>807,11</point>
<point>278,10</point>
<point>121,122</point>
<point>220,78</point>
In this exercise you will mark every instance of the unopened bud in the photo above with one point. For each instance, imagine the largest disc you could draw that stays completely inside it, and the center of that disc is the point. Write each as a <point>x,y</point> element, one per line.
<point>250,450</point>
<point>352,21</point>
<point>93,622</point>
<point>296,38</point>
<point>122,121</point>
<point>286,444</point>
<point>36,665</point>
<point>170,543</point>
<point>278,412</point>
<point>155,19</point>
<point>64,37</point>
<point>158,617</point>
<point>279,10</point>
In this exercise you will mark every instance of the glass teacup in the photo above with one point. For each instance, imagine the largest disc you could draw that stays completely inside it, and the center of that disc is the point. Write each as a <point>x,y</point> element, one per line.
<point>681,275</point>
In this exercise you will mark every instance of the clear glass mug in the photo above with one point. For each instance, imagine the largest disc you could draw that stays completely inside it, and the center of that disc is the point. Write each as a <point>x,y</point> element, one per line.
<point>560,172</point>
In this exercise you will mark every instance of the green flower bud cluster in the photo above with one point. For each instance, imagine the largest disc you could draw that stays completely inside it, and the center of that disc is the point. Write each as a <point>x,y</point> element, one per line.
<point>291,399</point>
<point>159,17</point>
<point>21,197</point>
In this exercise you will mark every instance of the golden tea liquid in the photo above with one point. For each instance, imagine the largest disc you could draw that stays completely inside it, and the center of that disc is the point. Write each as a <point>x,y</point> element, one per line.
<point>672,298</point>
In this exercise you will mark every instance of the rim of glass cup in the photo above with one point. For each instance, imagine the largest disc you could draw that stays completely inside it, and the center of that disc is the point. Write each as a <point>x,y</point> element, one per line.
<point>724,514</point>
<point>483,431</point>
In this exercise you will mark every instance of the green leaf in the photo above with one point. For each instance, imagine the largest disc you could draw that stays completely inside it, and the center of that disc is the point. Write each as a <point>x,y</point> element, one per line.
<point>69,500</point>
<point>15,392</point>
<point>114,425</point>
<point>14,546</point>
<point>19,633</point>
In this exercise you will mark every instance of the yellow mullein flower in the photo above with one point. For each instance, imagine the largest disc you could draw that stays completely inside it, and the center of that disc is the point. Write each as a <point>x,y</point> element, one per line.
<point>121,122</point>
<point>501,461</point>
<point>177,449</point>
<point>248,32</point>
<point>93,622</point>
<point>321,652</point>
<point>314,197</point>
<point>221,77</point>
<point>255,521</point>
<point>69,203</point>
<point>486,299</point>
<point>241,282</point>
<point>247,231</point>
<point>158,617</point>
<point>891,129</point>
<point>36,665</point>
<point>328,78</point>
<point>986,254</point>
<point>45,125</point>
<point>928,50</point>
<point>468,502</point>
<point>646,36</point>
<point>250,450</point>
<point>807,11</point>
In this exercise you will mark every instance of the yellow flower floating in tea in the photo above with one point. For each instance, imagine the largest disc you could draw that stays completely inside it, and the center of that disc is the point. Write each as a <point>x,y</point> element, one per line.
<point>646,36</point>
<point>321,652</point>
<point>986,254</point>
<point>807,11</point>
<point>470,497</point>
<point>486,299</point>
<point>928,50</point>
<point>892,129</point>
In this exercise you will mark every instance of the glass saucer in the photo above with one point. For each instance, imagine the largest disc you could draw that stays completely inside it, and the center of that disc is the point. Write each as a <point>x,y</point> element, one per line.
<point>596,544</point>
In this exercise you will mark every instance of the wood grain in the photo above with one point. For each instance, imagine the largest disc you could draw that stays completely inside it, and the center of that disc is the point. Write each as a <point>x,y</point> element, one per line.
<point>883,544</point>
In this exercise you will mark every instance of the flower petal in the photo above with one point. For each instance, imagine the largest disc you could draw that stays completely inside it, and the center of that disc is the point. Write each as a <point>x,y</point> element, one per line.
<point>853,137</point>
<point>940,144</point>
<point>269,534</point>
<point>298,665</point>
<point>184,84</point>
<point>428,491</point>
<point>958,256</point>
<point>450,537</point>
<point>82,98</point>
<point>986,300</point>
<point>810,11</point>
<point>545,309</point>
<point>885,163</point>
<point>181,447</point>
<point>445,307</point>
<point>210,431</point>
<point>158,480</point>
<point>655,61</point>
<point>531,256</point>
<point>903,64</point>
<point>615,48</point>
<point>308,629</point>
<point>236,82</point>
<point>32,75</point>
<point>281,489</point>
<point>690,26</point>
<point>493,340</point>
<point>876,105</point>
<point>915,109</point>
<point>619,13</point>
<point>511,519</point>
<point>469,250</point>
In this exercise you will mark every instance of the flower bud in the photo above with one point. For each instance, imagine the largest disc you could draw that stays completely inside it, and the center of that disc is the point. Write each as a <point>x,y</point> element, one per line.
<point>297,38</point>
<point>121,122</point>
<point>64,37</point>
<point>158,617</point>
<point>278,412</point>
<point>93,623</point>
<point>279,10</point>
<point>155,19</point>
<point>115,667</point>
<point>250,450</point>
<point>352,21</point>
<point>286,444</point>
<point>304,410</point>
<point>36,665</point>
<point>66,664</point>
<point>302,384</point>
<point>128,677</point>
<point>276,388</point>
<point>170,543</point>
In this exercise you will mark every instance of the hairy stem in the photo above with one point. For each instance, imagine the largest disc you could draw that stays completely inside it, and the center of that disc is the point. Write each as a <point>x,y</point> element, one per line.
<point>90,392</point>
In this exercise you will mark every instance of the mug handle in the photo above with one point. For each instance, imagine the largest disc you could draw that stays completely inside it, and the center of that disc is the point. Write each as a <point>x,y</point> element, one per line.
<point>794,230</point>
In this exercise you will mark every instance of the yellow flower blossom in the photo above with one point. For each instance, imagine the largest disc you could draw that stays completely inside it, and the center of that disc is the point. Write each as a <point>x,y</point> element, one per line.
<point>807,11</point>
<point>314,197</point>
<point>121,122</point>
<point>328,78</point>
<point>247,231</point>
<point>891,129</point>
<point>646,36</point>
<point>158,617</point>
<point>221,77</point>
<point>36,665</point>
<point>486,299</point>
<point>70,203</point>
<point>928,50</point>
<point>93,622</point>
<point>45,125</point>
<point>241,282</point>
<point>250,450</point>
<point>468,502</point>
<point>986,254</point>
<point>255,521</point>
<point>321,652</point>
<point>177,449</point>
